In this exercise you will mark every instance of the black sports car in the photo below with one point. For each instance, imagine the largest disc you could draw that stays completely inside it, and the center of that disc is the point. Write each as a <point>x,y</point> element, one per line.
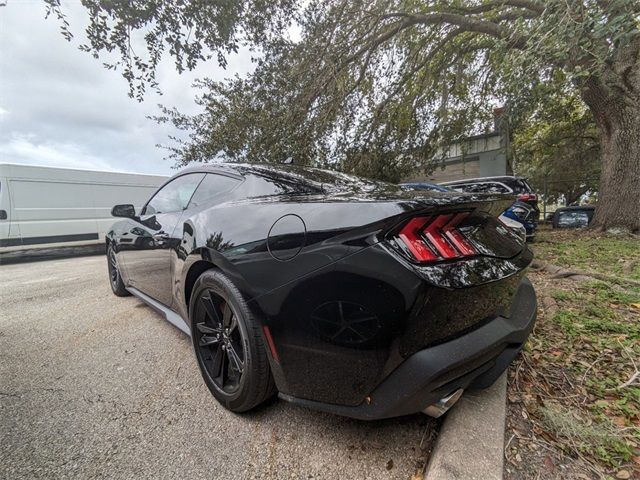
<point>345,295</point>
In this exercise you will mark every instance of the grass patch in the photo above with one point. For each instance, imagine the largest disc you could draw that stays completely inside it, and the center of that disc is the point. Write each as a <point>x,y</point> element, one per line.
<point>574,376</point>
<point>584,435</point>
<point>598,308</point>
<point>608,254</point>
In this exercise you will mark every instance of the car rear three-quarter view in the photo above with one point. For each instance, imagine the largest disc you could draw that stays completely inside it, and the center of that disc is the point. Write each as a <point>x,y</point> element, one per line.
<point>344,295</point>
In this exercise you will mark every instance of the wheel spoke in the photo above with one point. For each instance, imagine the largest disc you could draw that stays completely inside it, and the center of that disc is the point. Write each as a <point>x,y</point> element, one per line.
<point>208,340</point>
<point>227,315</point>
<point>211,310</point>
<point>234,358</point>
<point>362,319</point>
<point>204,328</point>
<point>224,369</point>
<point>217,363</point>
<point>362,337</point>
<point>233,325</point>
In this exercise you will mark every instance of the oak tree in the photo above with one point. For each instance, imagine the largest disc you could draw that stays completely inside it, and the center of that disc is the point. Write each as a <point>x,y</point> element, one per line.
<point>386,79</point>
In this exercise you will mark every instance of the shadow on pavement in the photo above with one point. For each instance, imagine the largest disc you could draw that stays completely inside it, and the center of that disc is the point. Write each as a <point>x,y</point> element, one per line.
<point>40,254</point>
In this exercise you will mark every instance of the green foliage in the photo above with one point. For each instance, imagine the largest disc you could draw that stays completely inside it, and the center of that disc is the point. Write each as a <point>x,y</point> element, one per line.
<point>367,80</point>
<point>189,31</point>
<point>558,145</point>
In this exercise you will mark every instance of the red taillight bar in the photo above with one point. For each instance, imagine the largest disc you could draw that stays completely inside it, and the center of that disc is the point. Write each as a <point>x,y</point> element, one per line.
<point>457,238</point>
<point>411,237</point>
<point>435,234</point>
<point>525,197</point>
<point>436,238</point>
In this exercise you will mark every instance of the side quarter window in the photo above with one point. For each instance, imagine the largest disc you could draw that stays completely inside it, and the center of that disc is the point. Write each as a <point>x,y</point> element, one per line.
<point>212,189</point>
<point>174,196</point>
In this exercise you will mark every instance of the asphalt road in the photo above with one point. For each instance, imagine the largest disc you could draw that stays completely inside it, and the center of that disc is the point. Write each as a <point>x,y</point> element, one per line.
<point>96,386</point>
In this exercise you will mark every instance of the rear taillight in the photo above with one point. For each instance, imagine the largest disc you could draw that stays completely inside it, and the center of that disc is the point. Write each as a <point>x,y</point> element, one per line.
<point>526,197</point>
<point>436,238</point>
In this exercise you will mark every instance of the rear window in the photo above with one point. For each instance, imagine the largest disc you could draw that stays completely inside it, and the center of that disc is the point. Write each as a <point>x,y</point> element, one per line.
<point>521,186</point>
<point>294,180</point>
<point>486,187</point>
<point>212,189</point>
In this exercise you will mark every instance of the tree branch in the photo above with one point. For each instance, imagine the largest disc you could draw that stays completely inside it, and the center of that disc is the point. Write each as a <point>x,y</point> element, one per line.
<point>467,23</point>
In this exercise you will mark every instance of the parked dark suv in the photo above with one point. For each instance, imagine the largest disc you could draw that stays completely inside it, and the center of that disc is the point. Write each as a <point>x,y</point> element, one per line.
<point>506,184</point>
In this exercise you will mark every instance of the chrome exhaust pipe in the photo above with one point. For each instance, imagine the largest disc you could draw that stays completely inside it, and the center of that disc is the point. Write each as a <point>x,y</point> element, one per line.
<point>445,403</point>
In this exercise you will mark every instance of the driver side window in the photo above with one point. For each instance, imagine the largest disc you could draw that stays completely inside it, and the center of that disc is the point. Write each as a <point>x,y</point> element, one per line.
<point>174,196</point>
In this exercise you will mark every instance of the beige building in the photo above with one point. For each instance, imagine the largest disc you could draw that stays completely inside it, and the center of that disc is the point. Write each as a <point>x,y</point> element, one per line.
<point>477,156</point>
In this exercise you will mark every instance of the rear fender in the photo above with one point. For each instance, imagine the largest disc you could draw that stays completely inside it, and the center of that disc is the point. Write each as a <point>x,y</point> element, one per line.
<point>198,261</point>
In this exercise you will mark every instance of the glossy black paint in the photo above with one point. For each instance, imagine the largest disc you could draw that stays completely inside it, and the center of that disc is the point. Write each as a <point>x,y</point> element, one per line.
<point>317,256</point>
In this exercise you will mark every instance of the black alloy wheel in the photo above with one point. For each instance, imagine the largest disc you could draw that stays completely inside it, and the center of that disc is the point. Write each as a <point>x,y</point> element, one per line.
<point>220,342</point>
<point>228,344</point>
<point>115,279</point>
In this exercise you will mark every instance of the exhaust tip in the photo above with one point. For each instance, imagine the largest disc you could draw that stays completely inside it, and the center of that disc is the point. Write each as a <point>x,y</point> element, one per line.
<point>444,404</point>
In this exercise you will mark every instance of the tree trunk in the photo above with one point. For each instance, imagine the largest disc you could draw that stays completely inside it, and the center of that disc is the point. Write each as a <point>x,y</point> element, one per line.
<point>618,117</point>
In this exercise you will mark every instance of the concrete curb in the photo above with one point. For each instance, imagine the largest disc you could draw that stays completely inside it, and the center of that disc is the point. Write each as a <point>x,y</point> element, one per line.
<point>470,445</point>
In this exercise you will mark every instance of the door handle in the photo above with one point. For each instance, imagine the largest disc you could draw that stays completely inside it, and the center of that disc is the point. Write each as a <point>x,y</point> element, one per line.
<point>3,214</point>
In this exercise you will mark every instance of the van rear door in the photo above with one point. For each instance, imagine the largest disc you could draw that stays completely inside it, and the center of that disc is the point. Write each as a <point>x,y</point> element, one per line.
<point>9,231</point>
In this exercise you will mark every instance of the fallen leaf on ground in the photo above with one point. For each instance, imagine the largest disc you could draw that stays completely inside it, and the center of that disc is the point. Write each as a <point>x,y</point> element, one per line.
<point>548,463</point>
<point>619,421</point>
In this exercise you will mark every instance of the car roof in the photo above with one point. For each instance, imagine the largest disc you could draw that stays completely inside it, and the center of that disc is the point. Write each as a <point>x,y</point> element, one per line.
<point>215,167</point>
<point>241,169</point>
<point>316,177</point>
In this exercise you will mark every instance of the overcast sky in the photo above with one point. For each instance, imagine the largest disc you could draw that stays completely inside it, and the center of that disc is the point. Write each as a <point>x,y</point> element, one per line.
<point>60,107</point>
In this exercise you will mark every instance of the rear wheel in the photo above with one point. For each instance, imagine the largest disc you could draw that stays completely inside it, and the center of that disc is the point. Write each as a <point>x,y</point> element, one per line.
<point>115,279</point>
<point>228,344</point>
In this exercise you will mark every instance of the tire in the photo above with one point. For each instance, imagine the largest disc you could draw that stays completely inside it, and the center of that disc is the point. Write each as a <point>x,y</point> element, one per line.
<point>228,343</point>
<point>115,279</point>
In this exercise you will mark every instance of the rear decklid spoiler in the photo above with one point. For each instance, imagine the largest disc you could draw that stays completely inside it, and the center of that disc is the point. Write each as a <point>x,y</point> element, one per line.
<point>448,224</point>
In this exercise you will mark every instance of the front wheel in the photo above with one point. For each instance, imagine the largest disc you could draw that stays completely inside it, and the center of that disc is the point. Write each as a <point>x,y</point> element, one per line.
<point>115,279</point>
<point>228,344</point>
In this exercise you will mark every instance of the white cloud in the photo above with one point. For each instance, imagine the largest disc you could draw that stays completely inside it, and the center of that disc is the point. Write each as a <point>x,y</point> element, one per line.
<point>60,107</point>
<point>26,149</point>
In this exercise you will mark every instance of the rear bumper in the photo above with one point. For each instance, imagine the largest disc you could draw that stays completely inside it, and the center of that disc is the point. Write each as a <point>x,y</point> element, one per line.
<point>474,360</point>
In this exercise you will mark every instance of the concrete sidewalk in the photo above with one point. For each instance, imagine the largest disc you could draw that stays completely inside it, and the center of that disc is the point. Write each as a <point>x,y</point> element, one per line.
<point>470,445</point>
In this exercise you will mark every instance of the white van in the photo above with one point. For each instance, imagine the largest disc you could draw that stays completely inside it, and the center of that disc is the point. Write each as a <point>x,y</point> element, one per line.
<point>44,207</point>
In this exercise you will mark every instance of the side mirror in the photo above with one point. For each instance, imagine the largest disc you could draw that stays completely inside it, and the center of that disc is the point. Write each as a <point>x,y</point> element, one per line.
<point>126,211</point>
